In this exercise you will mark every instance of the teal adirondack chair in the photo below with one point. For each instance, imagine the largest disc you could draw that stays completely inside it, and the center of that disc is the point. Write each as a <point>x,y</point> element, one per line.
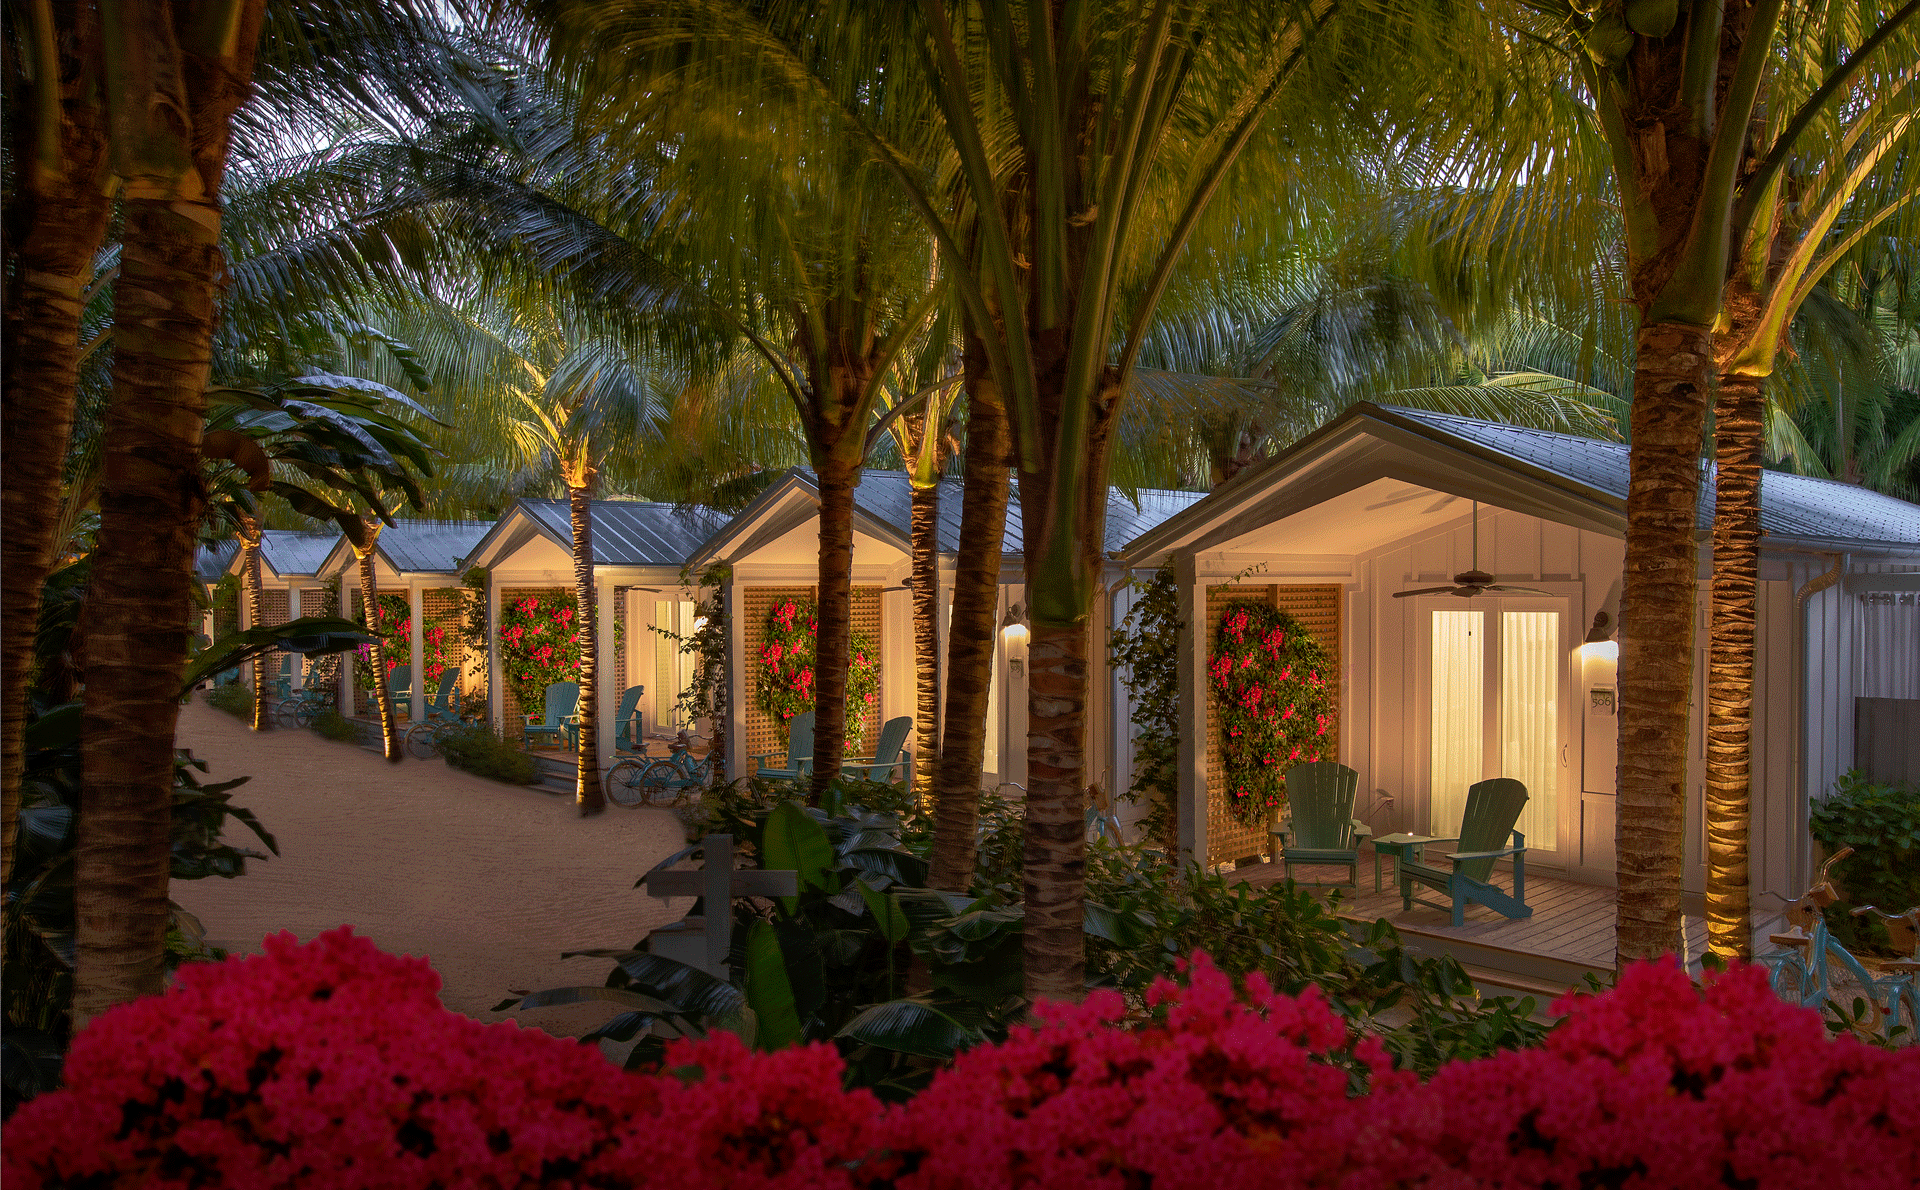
<point>627,736</point>
<point>1492,809</point>
<point>888,756</point>
<point>563,701</point>
<point>1321,828</point>
<point>282,683</point>
<point>444,705</point>
<point>797,760</point>
<point>400,688</point>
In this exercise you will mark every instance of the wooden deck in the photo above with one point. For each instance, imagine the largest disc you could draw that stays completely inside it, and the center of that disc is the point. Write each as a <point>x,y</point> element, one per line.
<point>1569,936</point>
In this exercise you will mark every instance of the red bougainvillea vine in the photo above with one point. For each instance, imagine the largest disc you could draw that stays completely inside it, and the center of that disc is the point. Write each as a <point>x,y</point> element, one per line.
<point>787,679</point>
<point>539,643</point>
<point>332,1064</point>
<point>1273,689</point>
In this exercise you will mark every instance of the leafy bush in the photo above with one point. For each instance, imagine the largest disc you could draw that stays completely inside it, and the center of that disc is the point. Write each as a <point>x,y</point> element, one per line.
<point>476,748</point>
<point>318,1064</point>
<point>1882,825</point>
<point>333,725</point>
<point>234,698</point>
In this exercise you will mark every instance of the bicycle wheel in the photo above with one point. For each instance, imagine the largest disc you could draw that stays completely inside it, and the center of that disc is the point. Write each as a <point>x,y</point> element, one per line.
<point>1853,995</point>
<point>623,784</point>
<point>423,741</point>
<point>1791,980</point>
<point>1902,1023</point>
<point>660,785</point>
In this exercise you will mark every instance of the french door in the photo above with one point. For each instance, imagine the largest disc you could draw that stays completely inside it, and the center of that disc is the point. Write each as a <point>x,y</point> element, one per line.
<point>1496,696</point>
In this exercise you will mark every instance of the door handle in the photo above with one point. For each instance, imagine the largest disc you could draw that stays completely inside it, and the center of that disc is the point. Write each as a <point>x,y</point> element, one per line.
<point>1563,754</point>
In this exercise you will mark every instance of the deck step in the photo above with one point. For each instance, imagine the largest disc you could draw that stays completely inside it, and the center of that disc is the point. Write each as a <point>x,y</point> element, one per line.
<point>1525,971</point>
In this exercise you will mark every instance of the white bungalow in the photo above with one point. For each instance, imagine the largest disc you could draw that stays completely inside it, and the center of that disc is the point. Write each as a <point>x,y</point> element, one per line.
<point>290,583</point>
<point>639,551</point>
<point>773,550</point>
<point>1437,692</point>
<point>420,560</point>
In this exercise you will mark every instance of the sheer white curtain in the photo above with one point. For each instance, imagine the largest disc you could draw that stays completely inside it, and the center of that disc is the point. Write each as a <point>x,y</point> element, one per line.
<point>1530,715</point>
<point>1458,714</point>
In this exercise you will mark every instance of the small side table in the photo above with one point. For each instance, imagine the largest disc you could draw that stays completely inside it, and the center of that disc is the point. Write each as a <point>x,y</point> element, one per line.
<point>1400,847</point>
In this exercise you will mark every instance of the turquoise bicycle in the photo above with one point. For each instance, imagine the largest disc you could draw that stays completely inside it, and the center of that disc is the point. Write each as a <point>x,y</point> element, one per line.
<point>1901,983</point>
<point>662,782</point>
<point>1811,961</point>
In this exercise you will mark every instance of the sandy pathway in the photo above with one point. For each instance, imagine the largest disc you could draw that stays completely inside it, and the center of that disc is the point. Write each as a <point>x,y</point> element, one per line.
<point>489,881</point>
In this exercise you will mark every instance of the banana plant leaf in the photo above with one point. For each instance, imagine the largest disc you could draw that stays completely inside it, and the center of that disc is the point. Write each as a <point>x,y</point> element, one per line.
<point>910,1027</point>
<point>309,635</point>
<point>769,993</point>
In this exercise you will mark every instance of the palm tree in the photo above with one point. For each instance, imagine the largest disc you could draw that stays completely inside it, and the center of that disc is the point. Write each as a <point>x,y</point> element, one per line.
<point>1842,179</point>
<point>56,218</point>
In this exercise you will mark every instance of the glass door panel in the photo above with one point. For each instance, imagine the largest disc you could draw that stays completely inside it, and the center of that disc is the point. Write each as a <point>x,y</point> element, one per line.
<point>1530,666</point>
<point>1457,714</point>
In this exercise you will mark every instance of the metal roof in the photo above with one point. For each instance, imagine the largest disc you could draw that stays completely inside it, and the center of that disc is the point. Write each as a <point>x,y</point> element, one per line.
<point>429,547</point>
<point>1791,506</point>
<point>212,561</point>
<point>629,532</point>
<point>887,496</point>
<point>295,552</point>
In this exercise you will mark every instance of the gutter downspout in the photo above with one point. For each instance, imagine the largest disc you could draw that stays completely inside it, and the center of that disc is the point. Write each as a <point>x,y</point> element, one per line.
<point>1803,793</point>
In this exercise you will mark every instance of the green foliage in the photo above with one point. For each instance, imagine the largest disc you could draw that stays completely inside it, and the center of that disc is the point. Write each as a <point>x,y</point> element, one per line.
<point>473,627</point>
<point>1882,825</point>
<point>475,748</point>
<point>392,622</point>
<point>1145,649</point>
<point>332,725</point>
<point>232,697</point>
<point>1269,680</point>
<point>539,644</point>
<point>39,909</point>
<point>705,696</point>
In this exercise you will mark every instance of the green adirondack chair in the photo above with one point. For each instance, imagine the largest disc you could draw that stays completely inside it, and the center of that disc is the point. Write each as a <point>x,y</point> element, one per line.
<point>627,736</point>
<point>443,706</point>
<point>888,756</point>
<point>797,760</point>
<point>1492,809</point>
<point>1321,828</point>
<point>400,688</point>
<point>563,699</point>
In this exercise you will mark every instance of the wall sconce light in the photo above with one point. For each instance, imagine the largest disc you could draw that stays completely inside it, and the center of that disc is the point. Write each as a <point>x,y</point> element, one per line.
<point>1013,632</point>
<point>1600,645</point>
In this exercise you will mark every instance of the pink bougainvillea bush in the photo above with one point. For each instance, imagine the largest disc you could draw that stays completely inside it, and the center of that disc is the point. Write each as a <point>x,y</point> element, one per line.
<point>1270,688</point>
<point>333,1065</point>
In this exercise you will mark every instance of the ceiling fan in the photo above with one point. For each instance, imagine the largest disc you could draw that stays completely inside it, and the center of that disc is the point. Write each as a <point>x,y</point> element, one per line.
<point>1469,583</point>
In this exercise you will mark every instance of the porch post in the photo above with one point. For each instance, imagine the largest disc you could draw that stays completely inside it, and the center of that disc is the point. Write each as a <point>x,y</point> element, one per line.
<point>496,681</point>
<point>607,672</point>
<point>417,650</point>
<point>298,669</point>
<point>736,682</point>
<point>1192,803</point>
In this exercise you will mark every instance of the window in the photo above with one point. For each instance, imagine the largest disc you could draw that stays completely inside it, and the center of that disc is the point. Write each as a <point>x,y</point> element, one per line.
<point>1494,708</point>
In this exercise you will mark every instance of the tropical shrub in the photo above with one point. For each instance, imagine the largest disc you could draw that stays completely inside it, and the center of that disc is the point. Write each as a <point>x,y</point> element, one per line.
<point>332,725</point>
<point>785,686</point>
<point>1276,706</point>
<point>232,697</point>
<point>392,622</point>
<point>319,1064</point>
<point>476,748</point>
<point>1145,651</point>
<point>1881,822</point>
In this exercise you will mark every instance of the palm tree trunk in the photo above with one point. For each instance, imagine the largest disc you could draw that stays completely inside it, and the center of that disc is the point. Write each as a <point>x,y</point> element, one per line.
<point>1738,449</point>
<point>1671,382</point>
<point>833,643</point>
<point>250,548</point>
<point>587,792</point>
<point>971,631</point>
<point>926,639</point>
<point>382,687</point>
<point>55,221</point>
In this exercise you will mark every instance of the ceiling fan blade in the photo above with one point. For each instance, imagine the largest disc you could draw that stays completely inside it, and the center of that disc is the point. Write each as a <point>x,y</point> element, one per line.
<point>1422,591</point>
<point>1523,591</point>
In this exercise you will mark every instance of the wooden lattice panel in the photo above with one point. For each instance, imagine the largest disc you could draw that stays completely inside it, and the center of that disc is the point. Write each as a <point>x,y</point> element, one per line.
<point>763,735</point>
<point>446,608</point>
<point>363,703</point>
<point>620,645</point>
<point>1318,609</point>
<point>275,607</point>
<point>509,700</point>
<point>318,601</point>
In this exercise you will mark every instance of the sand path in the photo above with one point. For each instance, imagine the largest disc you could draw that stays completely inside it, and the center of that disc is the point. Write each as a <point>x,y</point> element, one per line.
<point>489,881</point>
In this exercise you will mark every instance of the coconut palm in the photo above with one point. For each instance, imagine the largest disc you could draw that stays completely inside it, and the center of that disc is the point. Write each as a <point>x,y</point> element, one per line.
<point>1843,175</point>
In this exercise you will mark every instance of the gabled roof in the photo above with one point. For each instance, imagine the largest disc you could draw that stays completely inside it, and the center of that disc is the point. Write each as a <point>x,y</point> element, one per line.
<point>1590,475</point>
<point>625,532</point>
<point>414,546</point>
<point>285,553</point>
<point>884,501</point>
<point>212,561</point>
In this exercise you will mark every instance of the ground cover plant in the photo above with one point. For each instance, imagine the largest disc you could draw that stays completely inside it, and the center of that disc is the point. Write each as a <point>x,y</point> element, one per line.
<point>477,748</point>
<point>311,1065</point>
<point>332,725</point>
<point>232,697</point>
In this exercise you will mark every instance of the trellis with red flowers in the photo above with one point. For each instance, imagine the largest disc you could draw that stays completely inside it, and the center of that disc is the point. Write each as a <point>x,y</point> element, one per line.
<point>539,644</point>
<point>392,622</point>
<point>787,678</point>
<point>1270,679</point>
